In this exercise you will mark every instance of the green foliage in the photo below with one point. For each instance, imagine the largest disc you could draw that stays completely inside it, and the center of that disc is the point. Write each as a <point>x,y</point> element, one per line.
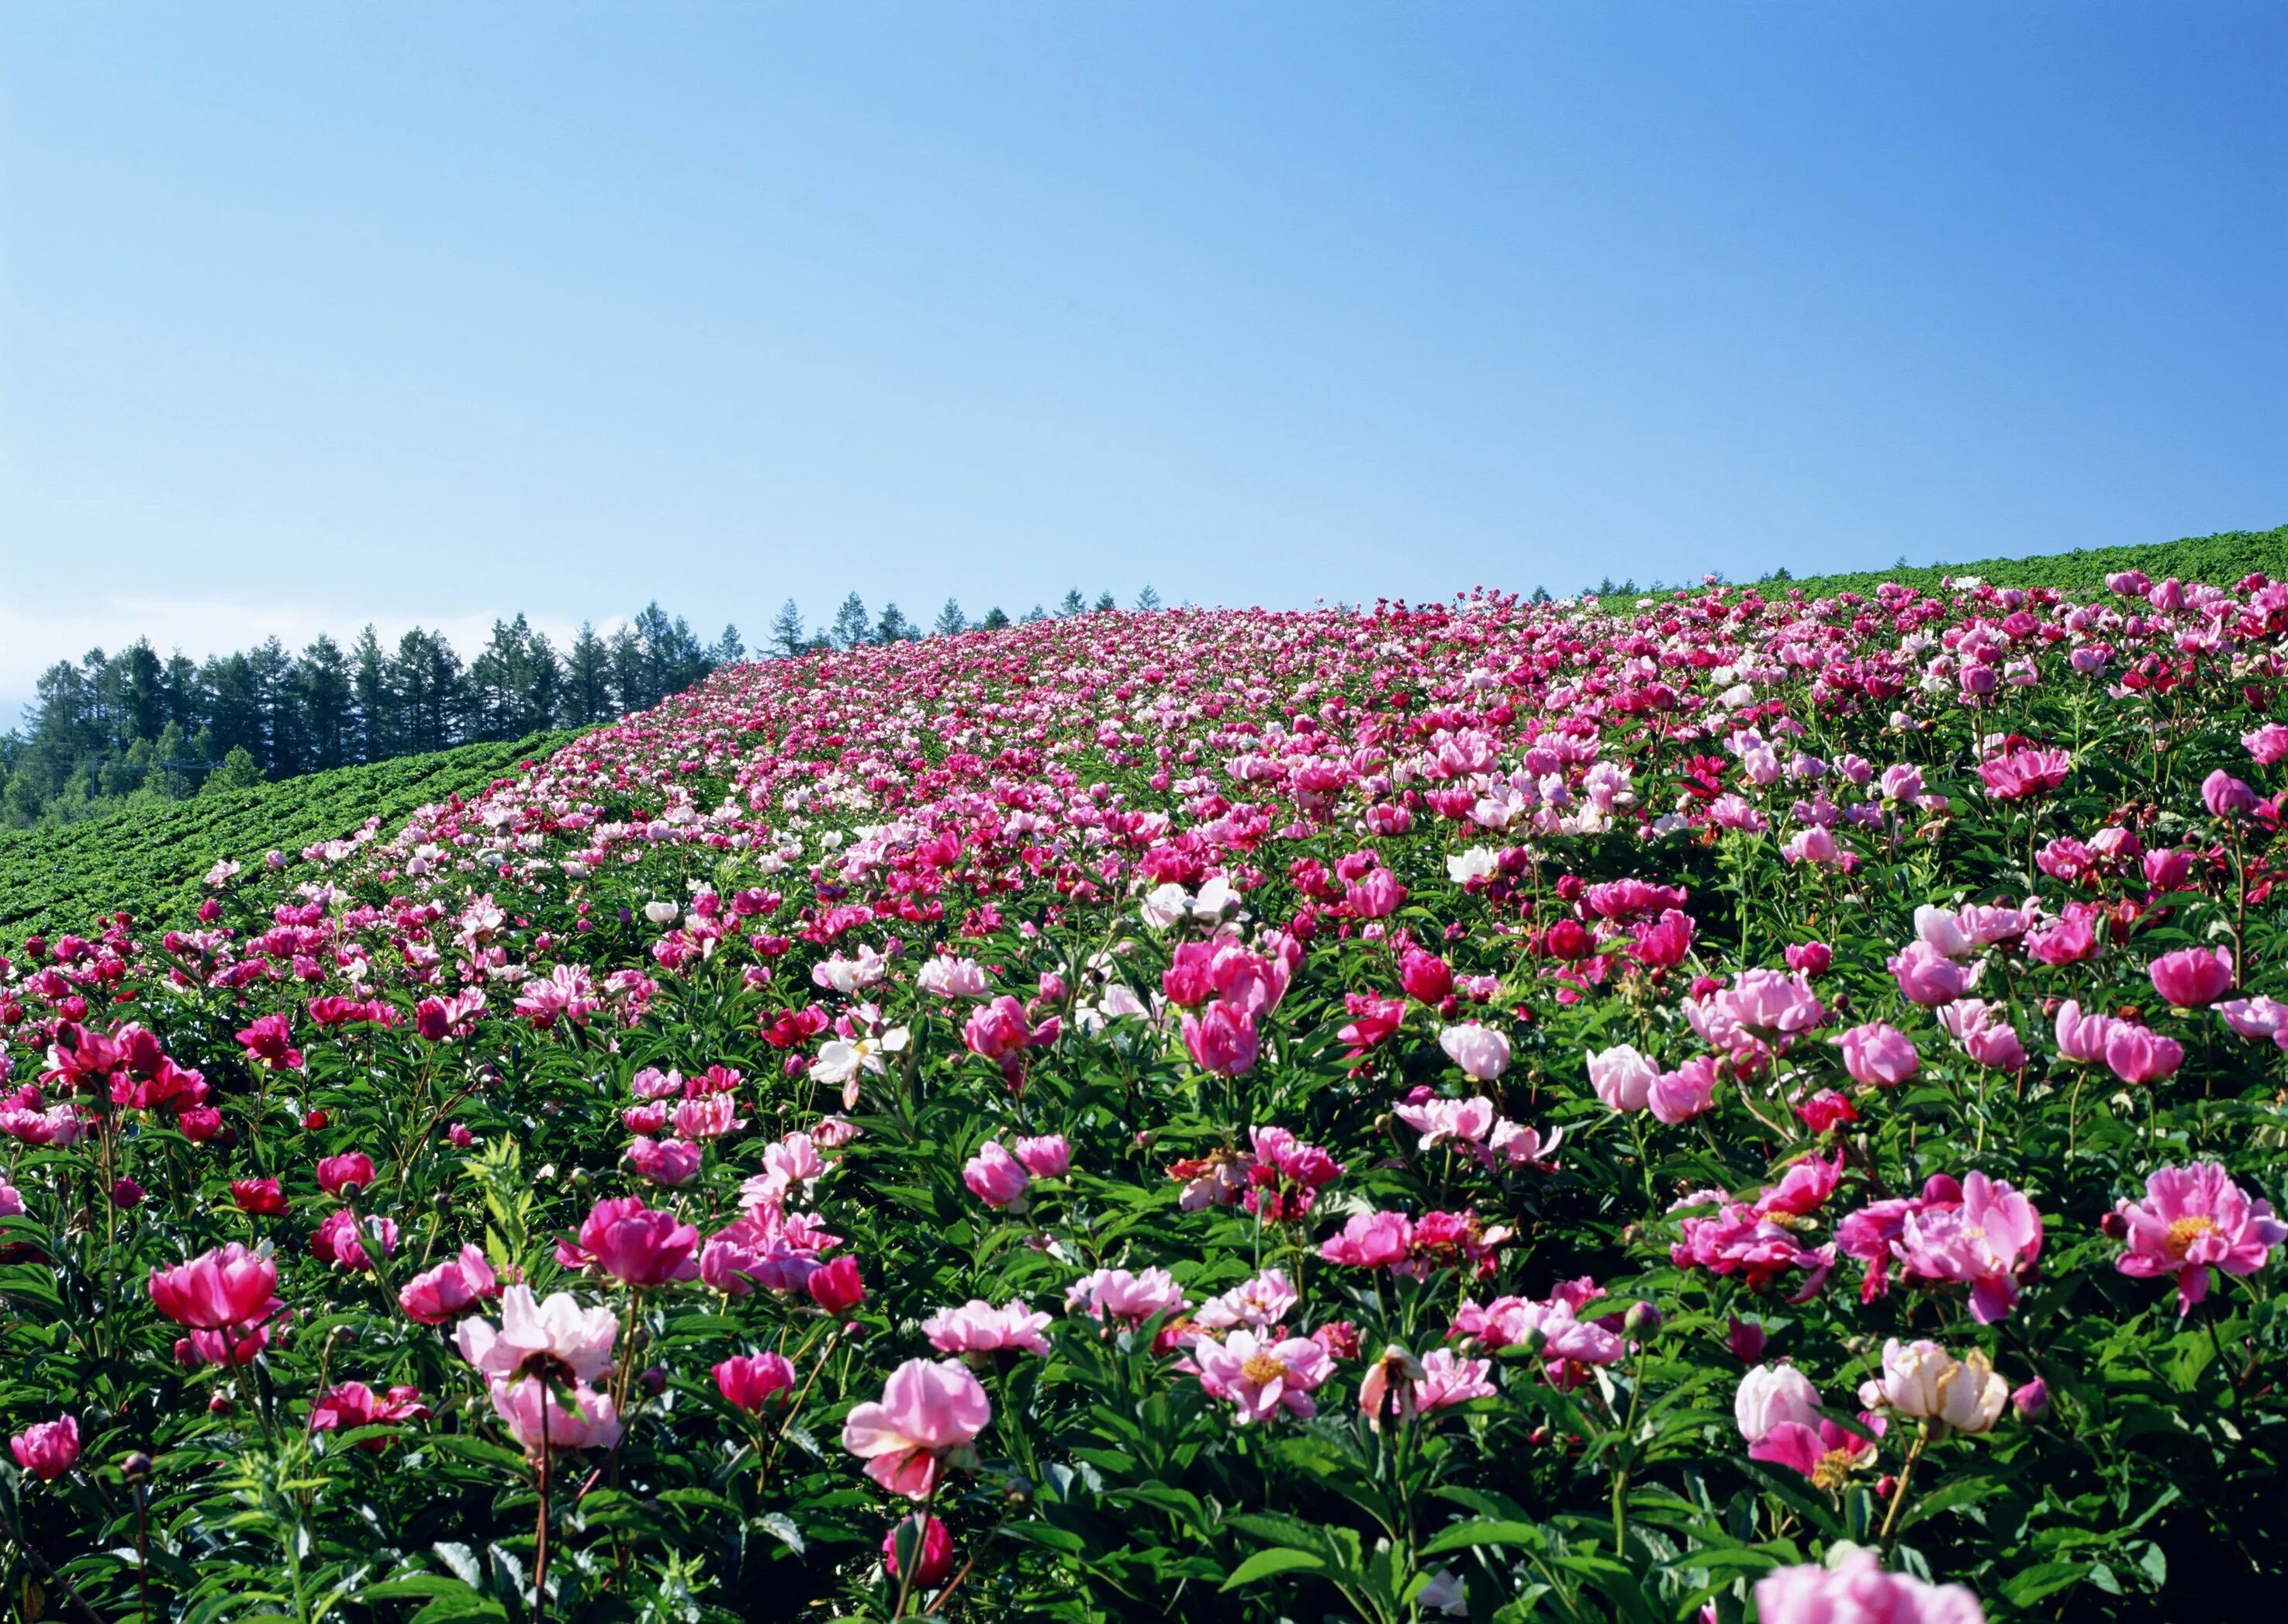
<point>2220,559</point>
<point>146,857</point>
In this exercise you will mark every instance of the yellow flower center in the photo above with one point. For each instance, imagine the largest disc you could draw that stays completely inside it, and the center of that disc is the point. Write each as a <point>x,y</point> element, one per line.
<point>2183,1233</point>
<point>1833,1468</point>
<point>1263,1370</point>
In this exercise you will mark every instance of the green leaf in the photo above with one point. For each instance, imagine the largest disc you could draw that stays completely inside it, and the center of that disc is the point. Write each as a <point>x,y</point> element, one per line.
<point>1263,1563</point>
<point>1483,1531</point>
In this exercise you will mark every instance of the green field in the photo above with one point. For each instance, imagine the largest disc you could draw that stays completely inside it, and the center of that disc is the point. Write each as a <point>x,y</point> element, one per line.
<point>2222,558</point>
<point>146,857</point>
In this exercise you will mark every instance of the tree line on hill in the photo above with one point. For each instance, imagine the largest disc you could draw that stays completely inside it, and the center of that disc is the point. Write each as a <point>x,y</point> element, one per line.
<point>109,728</point>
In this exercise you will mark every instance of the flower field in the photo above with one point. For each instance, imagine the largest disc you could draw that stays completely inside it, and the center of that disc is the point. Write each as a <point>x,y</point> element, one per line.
<point>1723,1106</point>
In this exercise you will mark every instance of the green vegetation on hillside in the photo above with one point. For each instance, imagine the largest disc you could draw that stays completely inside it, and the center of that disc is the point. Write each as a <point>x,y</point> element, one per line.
<point>146,856</point>
<point>2220,559</point>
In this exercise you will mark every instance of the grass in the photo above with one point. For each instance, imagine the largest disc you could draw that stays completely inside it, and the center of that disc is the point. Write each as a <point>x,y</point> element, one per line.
<point>146,858</point>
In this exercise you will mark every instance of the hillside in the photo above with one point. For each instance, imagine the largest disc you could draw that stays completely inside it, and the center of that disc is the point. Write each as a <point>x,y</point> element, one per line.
<point>147,858</point>
<point>2221,560</point>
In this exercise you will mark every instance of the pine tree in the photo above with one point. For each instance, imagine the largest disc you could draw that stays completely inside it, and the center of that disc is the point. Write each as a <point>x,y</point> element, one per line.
<point>994,621</point>
<point>1147,600</point>
<point>728,650</point>
<point>1072,604</point>
<point>587,678</point>
<point>787,638</point>
<point>851,626</point>
<point>327,719</point>
<point>894,627</point>
<point>1105,601</point>
<point>1035,615</point>
<point>950,621</point>
<point>374,703</point>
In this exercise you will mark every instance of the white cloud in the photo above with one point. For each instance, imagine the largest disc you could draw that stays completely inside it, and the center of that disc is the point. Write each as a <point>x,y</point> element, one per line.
<point>31,641</point>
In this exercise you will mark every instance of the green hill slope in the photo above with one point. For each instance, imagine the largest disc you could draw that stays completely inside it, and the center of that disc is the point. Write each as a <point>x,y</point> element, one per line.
<point>2221,559</point>
<point>147,858</point>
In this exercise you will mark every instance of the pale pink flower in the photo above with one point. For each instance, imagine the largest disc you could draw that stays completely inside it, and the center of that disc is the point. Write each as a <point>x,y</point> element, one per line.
<point>1770,1394</point>
<point>1857,1591</point>
<point>1116,1294</point>
<point>1261,1376</point>
<point>927,1412</point>
<point>1923,1380</point>
<point>1048,1156</point>
<point>1466,1120</point>
<point>1258,1302</point>
<point>538,1335</point>
<point>1623,1078</point>
<point>531,1413</point>
<point>977,1327</point>
<point>1481,1051</point>
<point>1879,1055</point>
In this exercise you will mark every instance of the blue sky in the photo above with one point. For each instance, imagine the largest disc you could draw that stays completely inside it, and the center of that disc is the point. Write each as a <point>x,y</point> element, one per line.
<point>311,315</point>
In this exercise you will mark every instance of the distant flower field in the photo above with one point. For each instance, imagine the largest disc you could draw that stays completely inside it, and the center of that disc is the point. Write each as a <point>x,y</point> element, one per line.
<point>1722,1106</point>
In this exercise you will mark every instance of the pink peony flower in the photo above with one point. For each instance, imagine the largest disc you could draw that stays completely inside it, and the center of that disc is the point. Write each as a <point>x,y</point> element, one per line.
<point>2226,796</point>
<point>1262,1375</point>
<point>667,1162</point>
<point>638,1245</point>
<point>977,1327</point>
<point>537,1337</point>
<point>1856,1591</point>
<point>1465,1122</point>
<point>1879,1056</point>
<point>534,1414</point>
<point>2082,1037</point>
<point>2139,1054</point>
<point>1221,1039</point>
<point>2191,1220</point>
<point>2191,978</point>
<point>452,1288</point>
<point>218,1289</point>
<point>341,1239</point>
<point>1928,976</point>
<point>1116,1294</point>
<point>927,1412</point>
<point>748,1381</point>
<point>1481,1051</point>
<point>47,1449</point>
<point>995,1177</point>
<point>1680,1095</point>
<point>1984,1242</point>
<point>1371,1240</point>
<point>337,1173</point>
<point>1048,1156</point>
<point>1623,1078</point>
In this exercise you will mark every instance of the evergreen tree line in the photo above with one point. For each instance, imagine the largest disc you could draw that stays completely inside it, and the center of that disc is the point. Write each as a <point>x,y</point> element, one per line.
<point>109,726</point>
<point>853,627</point>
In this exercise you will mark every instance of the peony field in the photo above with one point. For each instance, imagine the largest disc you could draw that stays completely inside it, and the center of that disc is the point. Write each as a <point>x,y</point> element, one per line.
<point>1728,1104</point>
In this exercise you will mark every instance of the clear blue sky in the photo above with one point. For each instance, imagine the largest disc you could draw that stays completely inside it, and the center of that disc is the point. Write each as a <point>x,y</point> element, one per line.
<point>313,315</point>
